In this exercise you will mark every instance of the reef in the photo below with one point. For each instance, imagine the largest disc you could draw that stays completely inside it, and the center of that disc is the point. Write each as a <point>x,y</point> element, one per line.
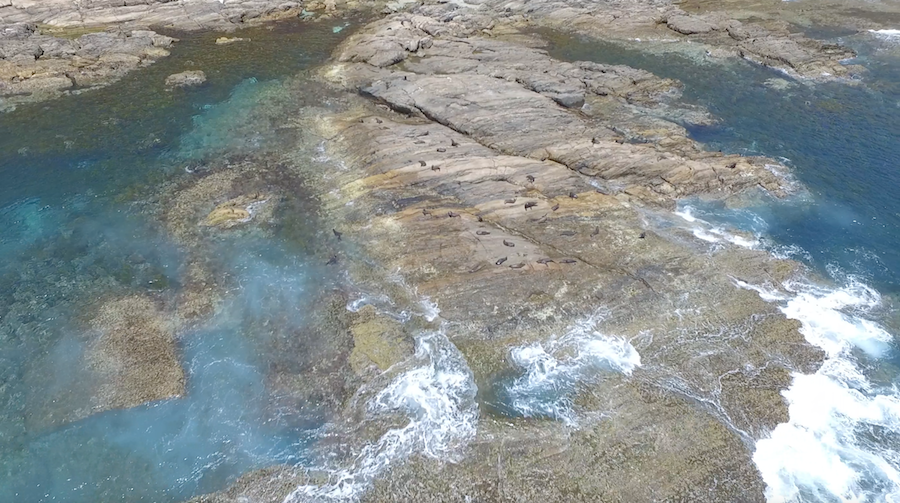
<point>127,355</point>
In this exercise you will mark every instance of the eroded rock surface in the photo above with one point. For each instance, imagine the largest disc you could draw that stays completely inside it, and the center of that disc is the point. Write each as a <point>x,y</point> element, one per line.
<point>527,198</point>
<point>35,66</point>
<point>190,78</point>
<point>519,101</point>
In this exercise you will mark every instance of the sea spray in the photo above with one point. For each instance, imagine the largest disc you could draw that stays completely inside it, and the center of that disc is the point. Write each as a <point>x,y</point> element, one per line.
<point>837,442</point>
<point>554,369</point>
<point>437,396</point>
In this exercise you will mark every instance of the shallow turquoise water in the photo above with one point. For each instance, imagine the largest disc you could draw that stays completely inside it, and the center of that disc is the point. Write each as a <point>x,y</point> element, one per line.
<point>72,170</point>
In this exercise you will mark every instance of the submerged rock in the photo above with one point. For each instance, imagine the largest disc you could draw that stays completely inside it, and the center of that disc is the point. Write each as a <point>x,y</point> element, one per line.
<point>236,211</point>
<point>188,78</point>
<point>128,356</point>
<point>135,354</point>
<point>379,341</point>
<point>229,40</point>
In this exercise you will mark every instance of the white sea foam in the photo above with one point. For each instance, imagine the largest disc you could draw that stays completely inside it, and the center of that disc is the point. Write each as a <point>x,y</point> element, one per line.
<point>554,368</point>
<point>710,233</point>
<point>886,33</point>
<point>826,450</point>
<point>437,397</point>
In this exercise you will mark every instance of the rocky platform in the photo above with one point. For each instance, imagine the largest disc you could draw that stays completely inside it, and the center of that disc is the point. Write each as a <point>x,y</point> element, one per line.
<point>527,195</point>
<point>36,66</point>
<point>41,63</point>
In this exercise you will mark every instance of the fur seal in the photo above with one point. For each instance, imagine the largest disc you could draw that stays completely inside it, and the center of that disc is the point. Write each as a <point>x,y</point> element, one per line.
<point>337,234</point>
<point>423,163</point>
<point>508,243</point>
<point>530,179</point>
<point>452,214</point>
<point>567,233</point>
<point>453,143</point>
<point>511,200</point>
<point>333,260</point>
<point>442,149</point>
<point>530,204</point>
<point>482,233</point>
<point>545,261</point>
<point>643,235</point>
<point>555,207</point>
<point>573,195</point>
<point>568,261</point>
<point>500,261</point>
<point>517,266</point>
<point>595,232</point>
<point>435,168</point>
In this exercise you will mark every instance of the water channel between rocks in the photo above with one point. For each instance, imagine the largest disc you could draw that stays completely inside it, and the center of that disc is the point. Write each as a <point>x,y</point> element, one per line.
<point>78,173</point>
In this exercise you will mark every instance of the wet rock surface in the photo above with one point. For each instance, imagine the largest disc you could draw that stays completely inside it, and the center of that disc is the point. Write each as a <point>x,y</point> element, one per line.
<point>506,187</point>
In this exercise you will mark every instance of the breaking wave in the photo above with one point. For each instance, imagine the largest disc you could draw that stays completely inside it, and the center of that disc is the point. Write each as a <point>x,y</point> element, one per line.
<point>554,369</point>
<point>840,443</point>
<point>437,397</point>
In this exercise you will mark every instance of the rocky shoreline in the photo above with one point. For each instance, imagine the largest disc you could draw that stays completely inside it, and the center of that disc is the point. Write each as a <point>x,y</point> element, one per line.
<point>527,193</point>
<point>55,47</point>
<point>523,189</point>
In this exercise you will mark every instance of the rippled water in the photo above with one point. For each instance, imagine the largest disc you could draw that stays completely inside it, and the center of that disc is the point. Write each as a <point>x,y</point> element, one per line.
<point>842,440</point>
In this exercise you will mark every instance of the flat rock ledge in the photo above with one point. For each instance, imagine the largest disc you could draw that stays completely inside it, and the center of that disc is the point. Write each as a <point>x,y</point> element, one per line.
<point>527,194</point>
<point>35,66</point>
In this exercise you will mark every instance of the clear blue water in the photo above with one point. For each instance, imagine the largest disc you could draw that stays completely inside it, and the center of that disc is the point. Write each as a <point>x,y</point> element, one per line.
<point>73,170</point>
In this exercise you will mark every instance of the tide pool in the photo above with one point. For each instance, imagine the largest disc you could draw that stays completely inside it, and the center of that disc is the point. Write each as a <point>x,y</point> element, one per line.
<point>79,228</point>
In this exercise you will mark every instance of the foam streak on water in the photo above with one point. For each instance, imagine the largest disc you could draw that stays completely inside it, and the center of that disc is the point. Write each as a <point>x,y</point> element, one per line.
<point>438,398</point>
<point>552,371</point>
<point>833,447</point>
<point>712,233</point>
